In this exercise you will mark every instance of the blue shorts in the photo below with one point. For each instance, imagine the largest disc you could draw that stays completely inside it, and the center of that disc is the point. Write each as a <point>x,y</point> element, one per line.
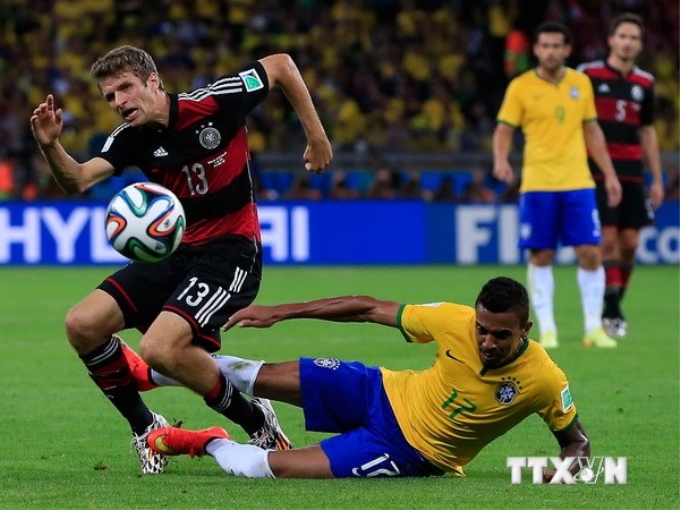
<point>567,217</point>
<point>348,397</point>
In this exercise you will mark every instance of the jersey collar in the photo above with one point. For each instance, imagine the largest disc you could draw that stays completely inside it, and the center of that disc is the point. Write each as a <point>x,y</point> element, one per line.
<point>174,111</point>
<point>555,83</point>
<point>522,349</point>
<point>618,72</point>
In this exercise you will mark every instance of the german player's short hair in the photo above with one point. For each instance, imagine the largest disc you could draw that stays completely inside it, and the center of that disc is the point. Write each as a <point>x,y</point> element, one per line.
<point>503,294</point>
<point>626,17</point>
<point>124,59</point>
<point>554,27</point>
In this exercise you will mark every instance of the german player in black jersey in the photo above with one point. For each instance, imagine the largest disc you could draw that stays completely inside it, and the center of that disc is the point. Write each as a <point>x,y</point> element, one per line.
<point>624,98</point>
<point>194,144</point>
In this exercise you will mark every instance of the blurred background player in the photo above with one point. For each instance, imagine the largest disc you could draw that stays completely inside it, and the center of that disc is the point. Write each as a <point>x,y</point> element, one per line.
<point>555,108</point>
<point>624,98</point>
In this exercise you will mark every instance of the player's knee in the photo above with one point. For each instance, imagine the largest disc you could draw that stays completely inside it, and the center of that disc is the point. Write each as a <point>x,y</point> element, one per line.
<point>155,355</point>
<point>82,332</point>
<point>589,257</point>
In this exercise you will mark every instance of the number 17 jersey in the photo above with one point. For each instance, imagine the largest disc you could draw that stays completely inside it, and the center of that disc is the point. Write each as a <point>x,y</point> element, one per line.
<point>450,411</point>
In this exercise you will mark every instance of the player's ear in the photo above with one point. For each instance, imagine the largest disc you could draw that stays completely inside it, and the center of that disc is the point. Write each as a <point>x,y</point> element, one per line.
<point>527,327</point>
<point>154,82</point>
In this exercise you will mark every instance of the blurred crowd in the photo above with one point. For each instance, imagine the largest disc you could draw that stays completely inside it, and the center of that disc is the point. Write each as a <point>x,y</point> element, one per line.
<point>386,75</point>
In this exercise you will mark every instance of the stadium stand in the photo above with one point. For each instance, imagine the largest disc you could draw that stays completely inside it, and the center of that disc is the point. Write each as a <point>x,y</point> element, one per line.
<point>387,75</point>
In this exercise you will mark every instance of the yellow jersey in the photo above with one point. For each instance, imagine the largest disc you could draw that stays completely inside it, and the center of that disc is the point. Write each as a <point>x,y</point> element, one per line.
<point>551,116</point>
<point>450,411</point>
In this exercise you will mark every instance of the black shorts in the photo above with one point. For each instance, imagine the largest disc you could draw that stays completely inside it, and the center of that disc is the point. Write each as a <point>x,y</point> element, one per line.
<point>634,211</point>
<point>204,284</point>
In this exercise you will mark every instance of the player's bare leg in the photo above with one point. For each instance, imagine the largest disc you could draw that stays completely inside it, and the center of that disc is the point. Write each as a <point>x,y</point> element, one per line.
<point>167,347</point>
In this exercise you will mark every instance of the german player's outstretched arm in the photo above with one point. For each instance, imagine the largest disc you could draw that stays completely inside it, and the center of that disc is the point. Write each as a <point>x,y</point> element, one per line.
<point>282,71</point>
<point>336,309</point>
<point>574,443</point>
<point>74,178</point>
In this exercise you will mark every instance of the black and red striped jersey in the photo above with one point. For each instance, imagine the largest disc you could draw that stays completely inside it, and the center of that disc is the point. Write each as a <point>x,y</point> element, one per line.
<point>623,103</point>
<point>202,155</point>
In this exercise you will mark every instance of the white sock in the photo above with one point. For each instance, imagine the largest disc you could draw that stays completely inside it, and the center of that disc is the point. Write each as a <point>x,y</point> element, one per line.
<point>541,290</point>
<point>240,372</point>
<point>591,284</point>
<point>240,459</point>
<point>163,380</point>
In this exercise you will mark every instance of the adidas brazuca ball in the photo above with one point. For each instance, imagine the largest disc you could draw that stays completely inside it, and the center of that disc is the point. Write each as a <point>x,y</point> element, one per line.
<point>145,222</point>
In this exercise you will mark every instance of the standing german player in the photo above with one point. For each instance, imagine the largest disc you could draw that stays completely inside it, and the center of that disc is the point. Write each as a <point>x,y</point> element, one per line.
<point>194,144</point>
<point>624,98</point>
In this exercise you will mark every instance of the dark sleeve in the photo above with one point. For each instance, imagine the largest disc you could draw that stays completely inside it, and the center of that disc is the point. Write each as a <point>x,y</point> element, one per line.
<point>119,149</point>
<point>647,113</point>
<point>238,94</point>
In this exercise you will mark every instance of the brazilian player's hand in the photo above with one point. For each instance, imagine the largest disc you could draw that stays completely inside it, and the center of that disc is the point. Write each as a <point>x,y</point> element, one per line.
<point>548,475</point>
<point>253,316</point>
<point>503,172</point>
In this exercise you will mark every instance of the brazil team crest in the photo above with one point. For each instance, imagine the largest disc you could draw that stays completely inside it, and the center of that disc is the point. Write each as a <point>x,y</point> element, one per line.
<point>507,390</point>
<point>332,363</point>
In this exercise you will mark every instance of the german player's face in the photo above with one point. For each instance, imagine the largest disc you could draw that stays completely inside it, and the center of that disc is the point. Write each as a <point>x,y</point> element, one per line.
<point>626,41</point>
<point>128,95</point>
<point>499,336</point>
<point>551,50</point>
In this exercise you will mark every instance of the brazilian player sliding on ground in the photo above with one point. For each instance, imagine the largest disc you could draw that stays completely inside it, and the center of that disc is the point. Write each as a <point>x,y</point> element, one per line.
<point>486,378</point>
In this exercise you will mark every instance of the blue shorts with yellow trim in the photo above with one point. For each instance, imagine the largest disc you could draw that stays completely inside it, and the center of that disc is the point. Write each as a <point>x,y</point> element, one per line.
<point>552,218</point>
<point>349,398</point>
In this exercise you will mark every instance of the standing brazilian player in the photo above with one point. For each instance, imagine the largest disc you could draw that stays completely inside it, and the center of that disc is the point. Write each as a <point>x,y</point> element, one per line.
<point>554,107</point>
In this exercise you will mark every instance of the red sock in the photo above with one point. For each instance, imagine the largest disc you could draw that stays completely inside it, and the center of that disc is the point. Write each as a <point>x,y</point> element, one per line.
<point>613,275</point>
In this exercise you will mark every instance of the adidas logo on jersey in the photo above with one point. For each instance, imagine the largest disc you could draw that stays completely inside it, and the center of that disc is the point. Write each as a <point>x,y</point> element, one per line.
<point>603,88</point>
<point>160,152</point>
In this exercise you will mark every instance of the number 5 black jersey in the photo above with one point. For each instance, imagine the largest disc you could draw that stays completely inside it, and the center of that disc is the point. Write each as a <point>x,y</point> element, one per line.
<point>623,103</point>
<point>202,155</point>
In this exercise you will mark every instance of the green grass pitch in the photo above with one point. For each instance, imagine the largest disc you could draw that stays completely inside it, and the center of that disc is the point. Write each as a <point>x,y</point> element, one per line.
<point>64,446</point>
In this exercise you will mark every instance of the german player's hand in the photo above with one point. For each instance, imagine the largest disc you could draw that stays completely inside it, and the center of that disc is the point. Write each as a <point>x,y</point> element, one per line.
<point>46,122</point>
<point>656,194</point>
<point>318,155</point>
<point>613,188</point>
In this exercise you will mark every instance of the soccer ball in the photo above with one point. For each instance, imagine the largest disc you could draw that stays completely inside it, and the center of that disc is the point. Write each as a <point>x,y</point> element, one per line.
<point>145,222</point>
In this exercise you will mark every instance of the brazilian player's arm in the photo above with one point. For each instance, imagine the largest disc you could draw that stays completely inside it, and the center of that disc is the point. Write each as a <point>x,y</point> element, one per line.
<point>597,148</point>
<point>336,309</point>
<point>574,443</point>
